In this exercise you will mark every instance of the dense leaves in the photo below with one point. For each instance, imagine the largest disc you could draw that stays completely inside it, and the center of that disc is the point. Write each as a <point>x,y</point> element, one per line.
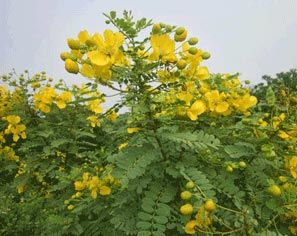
<point>182,151</point>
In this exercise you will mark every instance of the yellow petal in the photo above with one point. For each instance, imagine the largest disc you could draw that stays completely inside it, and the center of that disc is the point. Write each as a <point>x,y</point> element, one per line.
<point>196,109</point>
<point>87,71</point>
<point>202,73</point>
<point>132,130</point>
<point>13,119</point>
<point>61,104</point>
<point>94,193</point>
<point>99,58</point>
<point>83,36</point>
<point>104,191</point>
<point>222,107</point>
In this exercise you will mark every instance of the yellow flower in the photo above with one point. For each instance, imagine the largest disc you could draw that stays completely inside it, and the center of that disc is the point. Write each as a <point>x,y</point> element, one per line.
<point>21,188</point>
<point>44,98</point>
<point>122,145</point>
<point>283,135</point>
<point>94,106</point>
<point>262,123</point>
<point>202,218</point>
<point>163,48</point>
<point>202,73</point>
<point>108,48</point>
<point>63,98</point>
<point>104,190</point>
<point>14,128</point>
<point>112,116</point>
<point>87,71</point>
<point>245,102</point>
<point>86,176</point>
<point>94,182</point>
<point>185,96</point>
<point>196,109</point>
<point>12,119</point>
<point>190,227</point>
<point>132,130</point>
<point>293,166</point>
<point>94,121</point>
<point>216,102</point>
<point>79,186</point>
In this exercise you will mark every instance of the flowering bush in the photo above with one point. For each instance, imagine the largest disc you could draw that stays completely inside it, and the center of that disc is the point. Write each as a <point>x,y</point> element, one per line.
<point>191,152</point>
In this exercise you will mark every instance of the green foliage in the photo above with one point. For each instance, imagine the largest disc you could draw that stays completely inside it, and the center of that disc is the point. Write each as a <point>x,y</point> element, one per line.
<point>82,171</point>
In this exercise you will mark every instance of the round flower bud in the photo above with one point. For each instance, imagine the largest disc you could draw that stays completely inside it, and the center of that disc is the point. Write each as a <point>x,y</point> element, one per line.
<point>180,30</point>
<point>242,164</point>
<point>168,28</point>
<point>283,179</point>
<point>156,28</point>
<point>71,66</point>
<point>229,169</point>
<point>181,64</point>
<point>193,50</point>
<point>274,190</point>
<point>205,55</point>
<point>65,55</point>
<point>162,25</point>
<point>90,42</point>
<point>209,205</point>
<point>181,37</point>
<point>186,209</point>
<point>190,185</point>
<point>193,41</point>
<point>73,44</point>
<point>185,195</point>
<point>70,207</point>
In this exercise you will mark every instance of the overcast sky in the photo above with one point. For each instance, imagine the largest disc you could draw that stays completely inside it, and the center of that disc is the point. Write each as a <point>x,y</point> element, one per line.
<point>252,37</point>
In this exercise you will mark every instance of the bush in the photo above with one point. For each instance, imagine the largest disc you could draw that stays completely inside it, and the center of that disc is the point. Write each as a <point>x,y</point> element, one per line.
<point>190,153</point>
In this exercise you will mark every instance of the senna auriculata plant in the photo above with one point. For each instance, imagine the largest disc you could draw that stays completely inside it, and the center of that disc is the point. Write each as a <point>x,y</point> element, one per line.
<point>182,151</point>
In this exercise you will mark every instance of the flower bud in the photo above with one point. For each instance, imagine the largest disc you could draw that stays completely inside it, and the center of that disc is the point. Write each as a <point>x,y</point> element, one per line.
<point>71,66</point>
<point>193,41</point>
<point>65,55</point>
<point>180,30</point>
<point>193,50</point>
<point>205,55</point>
<point>156,28</point>
<point>73,44</point>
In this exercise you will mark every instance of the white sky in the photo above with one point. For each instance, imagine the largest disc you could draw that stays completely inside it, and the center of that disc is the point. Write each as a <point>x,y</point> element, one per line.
<point>252,37</point>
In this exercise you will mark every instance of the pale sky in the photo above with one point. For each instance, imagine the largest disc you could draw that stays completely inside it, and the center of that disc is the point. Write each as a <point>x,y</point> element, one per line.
<point>252,37</point>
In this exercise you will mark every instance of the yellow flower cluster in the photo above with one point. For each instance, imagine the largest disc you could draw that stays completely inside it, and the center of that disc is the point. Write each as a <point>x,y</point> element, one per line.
<point>47,96</point>
<point>195,98</point>
<point>14,127</point>
<point>9,153</point>
<point>95,185</point>
<point>8,99</point>
<point>95,53</point>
